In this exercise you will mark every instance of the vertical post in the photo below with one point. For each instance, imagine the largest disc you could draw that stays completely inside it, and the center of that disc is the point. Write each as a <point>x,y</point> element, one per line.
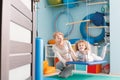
<point>5,29</point>
<point>39,59</point>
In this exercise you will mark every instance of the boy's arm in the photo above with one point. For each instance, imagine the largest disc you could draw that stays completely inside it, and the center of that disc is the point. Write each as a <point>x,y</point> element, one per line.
<point>58,55</point>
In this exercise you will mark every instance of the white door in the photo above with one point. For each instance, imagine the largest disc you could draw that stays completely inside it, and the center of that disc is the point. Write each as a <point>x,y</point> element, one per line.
<point>17,40</point>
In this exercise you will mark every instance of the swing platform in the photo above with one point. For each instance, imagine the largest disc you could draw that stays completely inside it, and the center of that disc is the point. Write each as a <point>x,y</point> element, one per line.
<point>87,63</point>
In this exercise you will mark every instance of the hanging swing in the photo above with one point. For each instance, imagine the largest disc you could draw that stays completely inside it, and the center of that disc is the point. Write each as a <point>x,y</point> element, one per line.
<point>87,63</point>
<point>98,20</point>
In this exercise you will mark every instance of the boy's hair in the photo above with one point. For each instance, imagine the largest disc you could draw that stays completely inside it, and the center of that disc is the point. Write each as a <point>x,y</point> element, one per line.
<point>86,44</point>
<point>57,33</point>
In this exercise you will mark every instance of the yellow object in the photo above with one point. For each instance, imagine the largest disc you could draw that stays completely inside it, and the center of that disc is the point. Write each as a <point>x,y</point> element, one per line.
<point>54,2</point>
<point>48,69</point>
<point>45,65</point>
<point>73,46</point>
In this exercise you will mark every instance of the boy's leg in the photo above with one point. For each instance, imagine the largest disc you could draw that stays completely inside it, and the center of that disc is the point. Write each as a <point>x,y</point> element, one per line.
<point>67,71</point>
<point>59,65</point>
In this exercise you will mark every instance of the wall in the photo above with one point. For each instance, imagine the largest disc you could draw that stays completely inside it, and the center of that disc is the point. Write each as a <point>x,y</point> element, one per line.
<point>115,38</point>
<point>46,17</point>
<point>78,13</point>
<point>44,21</point>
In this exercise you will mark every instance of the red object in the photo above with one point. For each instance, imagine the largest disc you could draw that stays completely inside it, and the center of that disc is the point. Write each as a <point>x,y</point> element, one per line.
<point>106,68</point>
<point>56,60</point>
<point>94,68</point>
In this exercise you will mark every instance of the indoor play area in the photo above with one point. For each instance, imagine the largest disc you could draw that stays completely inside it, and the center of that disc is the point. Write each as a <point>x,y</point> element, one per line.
<point>77,20</point>
<point>59,40</point>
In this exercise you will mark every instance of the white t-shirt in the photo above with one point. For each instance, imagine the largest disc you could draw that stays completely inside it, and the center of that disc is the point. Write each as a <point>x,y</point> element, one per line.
<point>64,53</point>
<point>88,57</point>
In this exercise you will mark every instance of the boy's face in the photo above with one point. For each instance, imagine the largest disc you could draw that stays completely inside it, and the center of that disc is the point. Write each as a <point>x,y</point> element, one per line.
<point>81,46</point>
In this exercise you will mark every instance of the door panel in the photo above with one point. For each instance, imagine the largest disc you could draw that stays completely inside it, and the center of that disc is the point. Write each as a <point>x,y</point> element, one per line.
<point>17,40</point>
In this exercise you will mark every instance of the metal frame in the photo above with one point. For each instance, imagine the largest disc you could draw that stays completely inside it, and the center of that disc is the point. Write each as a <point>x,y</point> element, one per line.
<point>15,11</point>
<point>0,32</point>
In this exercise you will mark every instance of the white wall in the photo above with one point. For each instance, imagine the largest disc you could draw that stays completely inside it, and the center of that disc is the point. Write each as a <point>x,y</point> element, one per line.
<point>44,21</point>
<point>115,37</point>
<point>77,13</point>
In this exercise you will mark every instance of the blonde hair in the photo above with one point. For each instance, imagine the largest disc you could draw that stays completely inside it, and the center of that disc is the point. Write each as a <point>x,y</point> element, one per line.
<point>57,33</point>
<point>84,42</point>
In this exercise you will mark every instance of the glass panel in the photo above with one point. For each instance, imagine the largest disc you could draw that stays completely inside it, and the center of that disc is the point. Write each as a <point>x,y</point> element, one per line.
<point>18,33</point>
<point>21,73</point>
<point>27,3</point>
